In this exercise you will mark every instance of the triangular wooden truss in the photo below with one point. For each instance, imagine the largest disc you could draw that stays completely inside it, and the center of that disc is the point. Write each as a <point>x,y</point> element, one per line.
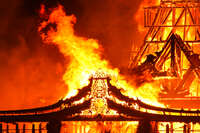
<point>168,18</point>
<point>169,63</point>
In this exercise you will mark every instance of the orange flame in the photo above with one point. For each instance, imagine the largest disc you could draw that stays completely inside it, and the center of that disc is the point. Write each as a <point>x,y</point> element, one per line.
<point>85,56</point>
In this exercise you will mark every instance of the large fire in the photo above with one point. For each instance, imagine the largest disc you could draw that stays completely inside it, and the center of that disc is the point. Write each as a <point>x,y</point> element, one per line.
<point>85,56</point>
<point>173,16</point>
<point>87,71</point>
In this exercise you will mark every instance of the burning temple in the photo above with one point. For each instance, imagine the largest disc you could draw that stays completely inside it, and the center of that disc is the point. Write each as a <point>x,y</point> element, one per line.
<point>99,101</point>
<point>168,55</point>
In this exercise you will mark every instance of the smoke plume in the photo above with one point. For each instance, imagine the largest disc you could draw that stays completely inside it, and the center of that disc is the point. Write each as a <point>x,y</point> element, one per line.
<point>31,72</point>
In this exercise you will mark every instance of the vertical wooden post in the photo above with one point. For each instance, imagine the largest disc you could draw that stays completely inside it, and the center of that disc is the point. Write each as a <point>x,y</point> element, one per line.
<point>24,128</point>
<point>144,126</point>
<point>172,128</point>
<point>188,129</point>
<point>184,128</point>
<point>167,128</point>
<point>7,128</point>
<point>40,128</point>
<point>17,128</point>
<point>33,128</point>
<point>53,126</point>
<point>1,128</point>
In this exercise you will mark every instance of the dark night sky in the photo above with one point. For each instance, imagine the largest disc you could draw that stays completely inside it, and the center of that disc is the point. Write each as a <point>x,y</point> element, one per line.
<point>27,65</point>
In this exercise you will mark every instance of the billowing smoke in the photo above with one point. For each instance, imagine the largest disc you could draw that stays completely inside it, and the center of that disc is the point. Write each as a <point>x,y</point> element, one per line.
<point>31,72</point>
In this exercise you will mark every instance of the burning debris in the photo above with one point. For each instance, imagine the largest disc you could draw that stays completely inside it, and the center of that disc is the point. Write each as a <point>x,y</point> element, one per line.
<point>171,50</point>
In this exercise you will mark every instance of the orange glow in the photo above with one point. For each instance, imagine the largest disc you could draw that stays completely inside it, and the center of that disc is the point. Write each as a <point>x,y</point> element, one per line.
<point>139,14</point>
<point>42,9</point>
<point>85,58</point>
<point>99,127</point>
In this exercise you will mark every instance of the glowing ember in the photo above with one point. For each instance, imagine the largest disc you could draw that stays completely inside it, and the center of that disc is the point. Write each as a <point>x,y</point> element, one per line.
<point>99,93</point>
